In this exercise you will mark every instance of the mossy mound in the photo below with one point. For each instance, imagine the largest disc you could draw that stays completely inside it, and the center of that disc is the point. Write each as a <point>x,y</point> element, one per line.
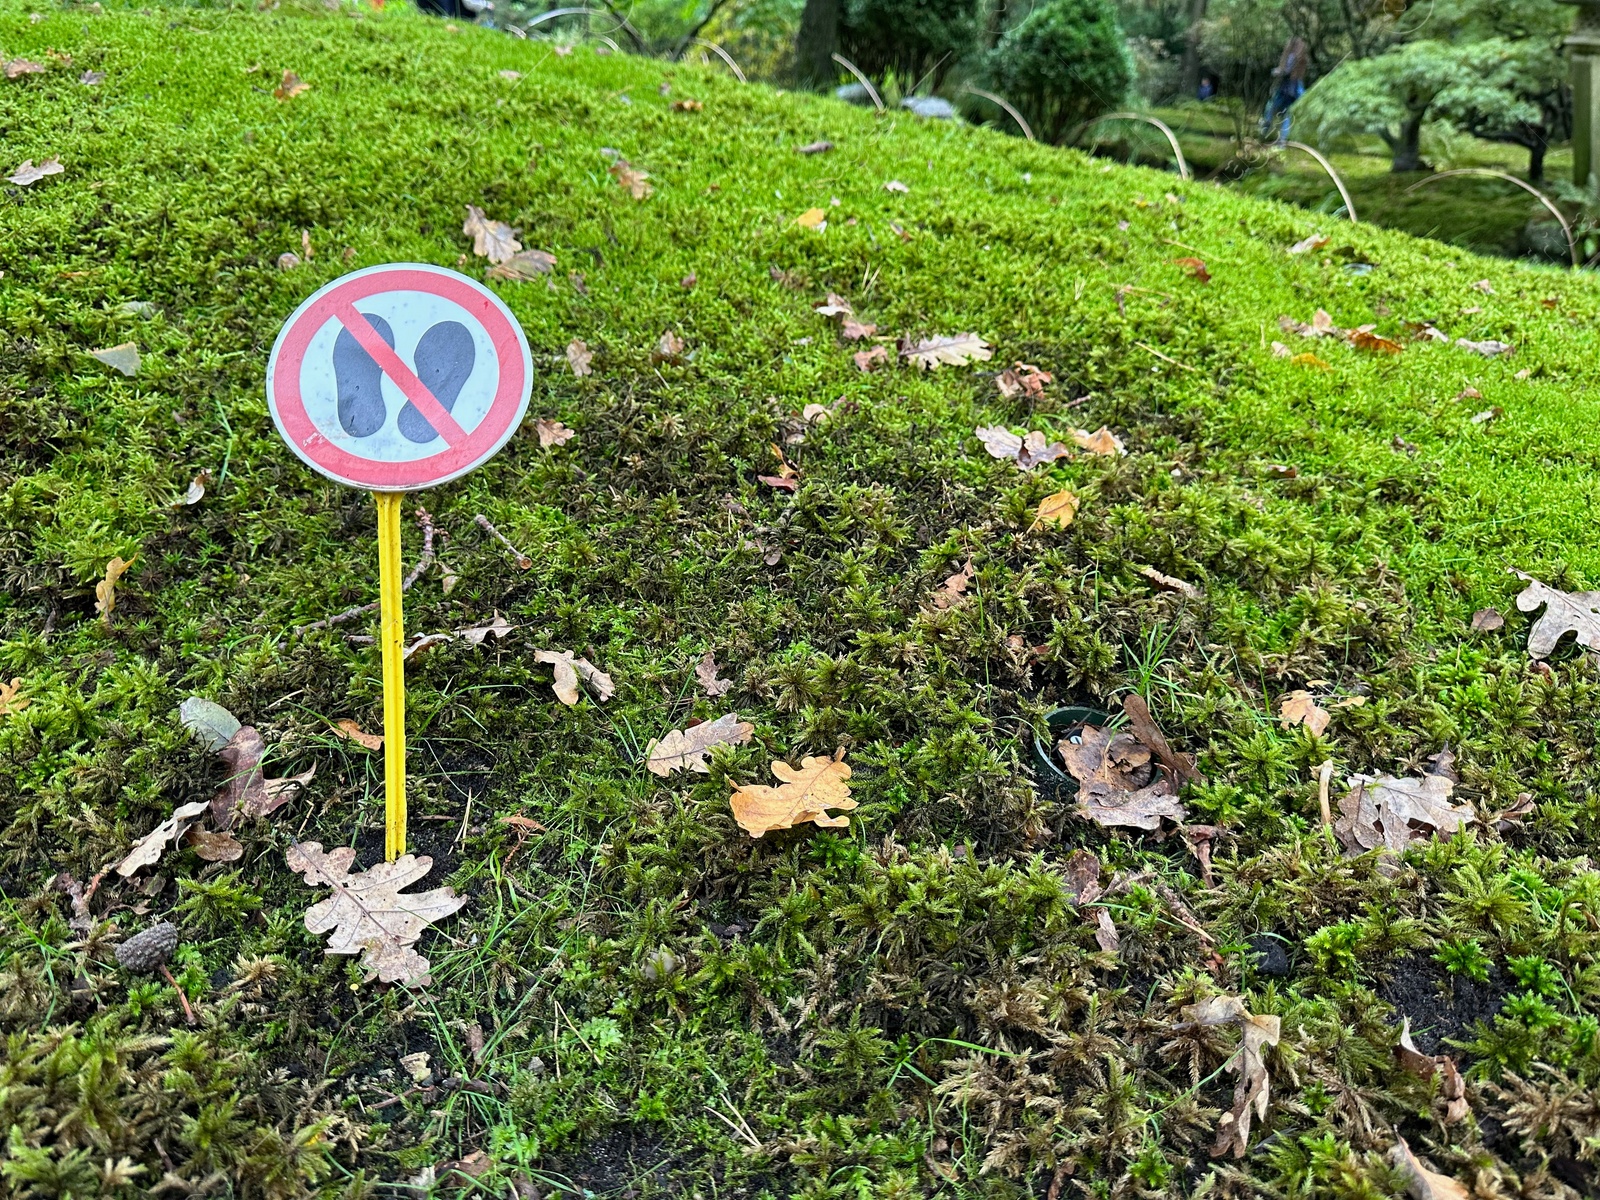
<point>665,1004</point>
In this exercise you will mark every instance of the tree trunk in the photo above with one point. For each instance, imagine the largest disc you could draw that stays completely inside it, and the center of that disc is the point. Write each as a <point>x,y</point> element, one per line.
<point>1191,50</point>
<point>1536,159</point>
<point>817,40</point>
<point>1408,146</point>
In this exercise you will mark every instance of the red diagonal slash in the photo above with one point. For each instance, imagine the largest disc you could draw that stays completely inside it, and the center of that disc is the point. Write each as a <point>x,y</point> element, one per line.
<point>395,368</point>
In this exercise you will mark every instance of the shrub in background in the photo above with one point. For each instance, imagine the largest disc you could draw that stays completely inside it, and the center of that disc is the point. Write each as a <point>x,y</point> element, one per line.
<point>1062,64</point>
<point>910,38</point>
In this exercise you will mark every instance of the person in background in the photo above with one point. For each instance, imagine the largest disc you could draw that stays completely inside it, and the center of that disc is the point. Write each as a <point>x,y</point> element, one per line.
<point>1289,78</point>
<point>1208,88</point>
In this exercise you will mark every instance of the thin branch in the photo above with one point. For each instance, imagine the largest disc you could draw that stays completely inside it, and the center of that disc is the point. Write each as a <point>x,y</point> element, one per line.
<point>424,561</point>
<point>634,35</point>
<point>688,39</point>
<point>523,561</point>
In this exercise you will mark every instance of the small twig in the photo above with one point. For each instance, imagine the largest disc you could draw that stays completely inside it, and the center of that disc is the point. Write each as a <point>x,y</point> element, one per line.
<point>406,1095</point>
<point>523,561</point>
<point>465,817</point>
<point>182,999</point>
<point>1324,777</point>
<point>424,561</point>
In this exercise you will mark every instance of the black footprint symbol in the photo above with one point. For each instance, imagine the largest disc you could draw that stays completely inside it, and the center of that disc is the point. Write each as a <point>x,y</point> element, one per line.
<point>360,382</point>
<point>444,362</point>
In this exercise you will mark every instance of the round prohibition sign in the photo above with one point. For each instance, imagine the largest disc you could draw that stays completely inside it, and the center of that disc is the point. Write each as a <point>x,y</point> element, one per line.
<point>399,377</point>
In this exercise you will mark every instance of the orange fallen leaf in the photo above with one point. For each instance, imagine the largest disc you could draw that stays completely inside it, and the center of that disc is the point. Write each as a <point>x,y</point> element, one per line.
<point>291,85</point>
<point>1310,360</point>
<point>632,178</point>
<point>806,794</point>
<point>1301,708</point>
<point>349,729</point>
<point>1058,510</point>
<point>1362,339</point>
<point>1196,268</point>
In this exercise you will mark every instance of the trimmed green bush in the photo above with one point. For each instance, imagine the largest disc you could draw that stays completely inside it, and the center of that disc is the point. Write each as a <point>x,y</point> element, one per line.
<point>1062,64</point>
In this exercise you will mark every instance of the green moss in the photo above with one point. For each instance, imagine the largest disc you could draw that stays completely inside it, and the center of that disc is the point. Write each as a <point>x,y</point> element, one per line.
<point>913,1001</point>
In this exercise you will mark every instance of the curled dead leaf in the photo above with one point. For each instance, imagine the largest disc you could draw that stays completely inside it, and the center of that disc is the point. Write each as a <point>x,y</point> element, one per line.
<point>105,591</point>
<point>1373,343</point>
<point>1301,708</point>
<point>1101,441</point>
<point>352,731</point>
<point>1117,784</point>
<point>579,356</point>
<point>1195,267</point>
<point>494,240</point>
<point>290,86</point>
<point>1168,583</point>
<point>686,749</point>
<point>214,846</point>
<point>633,180</point>
<point>27,174</point>
<point>147,850</point>
<point>523,265</point>
<point>1383,812</point>
<point>569,671</point>
<point>865,360</point>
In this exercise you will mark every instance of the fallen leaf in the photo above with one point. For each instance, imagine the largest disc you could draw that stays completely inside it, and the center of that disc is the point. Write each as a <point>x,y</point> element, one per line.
<point>290,86</point>
<point>1026,451</point>
<point>579,356</point>
<point>524,265</point>
<point>1058,509</point>
<point>1101,441</point>
<point>1565,612</point>
<point>105,591</point>
<point>853,330</point>
<point>494,240</point>
<point>1321,325</point>
<point>124,358</point>
<point>865,360</point>
<point>422,643</point>
<point>812,413</point>
<point>1301,708</point>
<point>569,671</point>
<point>1105,932</point>
<point>687,105</point>
<point>417,1067</point>
<point>899,231</point>
<point>1484,286</point>
<point>368,914</point>
<point>1022,379</point>
<point>1487,620</point>
<point>834,306</point>
<point>510,76</point>
<point>553,433</point>
<point>814,148</point>
<point>894,185</point>
<point>953,590</point>
<point>1082,875</point>
<point>1315,242</point>
<point>1116,783</point>
<point>11,700</point>
<point>706,673</point>
<point>244,789</point>
<point>148,850</point>
<point>214,846</point>
<point>1310,360</point>
<point>1452,1088</point>
<point>288,260</point>
<point>351,730</point>
<point>1362,339</point>
<point>27,174</point>
<point>197,489</point>
<point>1251,1094</point>
<point>1470,393</point>
<point>1169,584</point>
<point>633,179</point>
<point>1382,811</point>
<point>1195,267</point>
<point>669,348</point>
<point>1282,471</point>
<point>1421,1183</point>
<point>211,724</point>
<point>1279,350</point>
<point>19,67</point>
<point>686,749</point>
<point>92,78</point>
<point>689,280</point>
<point>813,218</point>
<point>1487,415</point>
<point>956,350</point>
<point>1489,349</point>
<point>305,244</point>
<point>475,635</point>
<point>805,795</point>
<point>1143,726</point>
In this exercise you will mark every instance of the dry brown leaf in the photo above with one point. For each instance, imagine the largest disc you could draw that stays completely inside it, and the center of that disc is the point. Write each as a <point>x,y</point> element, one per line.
<point>865,360</point>
<point>805,795</point>
<point>669,348</point>
<point>1168,583</point>
<point>834,306</point>
<point>814,148</point>
<point>1195,267</point>
<point>524,265</point>
<point>579,356</point>
<point>853,330</point>
<point>27,174</point>
<point>1144,727</point>
<point>1279,350</point>
<point>1082,875</point>
<point>494,240</point>
<point>1489,348</point>
<point>1101,441</point>
<point>1484,286</point>
<point>1116,784</point>
<point>197,489</point>
<point>1487,620</point>
<point>1321,325</point>
<point>1058,509</point>
<point>1025,451</point>
<point>11,702</point>
<point>1452,1088</point>
<point>368,913</point>
<point>1381,811</point>
<point>553,433</point>
<point>954,588</point>
<point>706,673</point>
<point>1421,1183</point>
<point>422,643</point>
<point>19,67</point>
<point>348,728</point>
<point>1315,242</point>
<point>1301,708</point>
<point>475,635</point>
<point>1105,932</point>
<point>686,749</point>
<point>122,358</point>
<point>1363,339</point>
<point>569,671</point>
<point>1022,379</point>
<point>956,349</point>
<point>687,105</point>
<point>1565,612</point>
<point>147,850</point>
<point>634,180</point>
<point>290,86</point>
<point>1310,360</point>
<point>105,591</point>
<point>1252,1093</point>
<point>214,846</point>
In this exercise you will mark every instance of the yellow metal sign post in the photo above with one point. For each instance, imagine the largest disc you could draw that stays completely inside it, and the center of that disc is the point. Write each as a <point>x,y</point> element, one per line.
<point>394,379</point>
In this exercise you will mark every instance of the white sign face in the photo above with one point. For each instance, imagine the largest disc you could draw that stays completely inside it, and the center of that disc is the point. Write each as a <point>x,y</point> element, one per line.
<point>399,377</point>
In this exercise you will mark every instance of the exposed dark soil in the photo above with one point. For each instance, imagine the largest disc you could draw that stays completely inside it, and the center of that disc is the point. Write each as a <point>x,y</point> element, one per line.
<point>619,1162</point>
<point>1441,1006</point>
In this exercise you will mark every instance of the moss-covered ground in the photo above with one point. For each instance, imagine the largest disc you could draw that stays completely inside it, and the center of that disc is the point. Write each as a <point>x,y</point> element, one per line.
<point>909,1006</point>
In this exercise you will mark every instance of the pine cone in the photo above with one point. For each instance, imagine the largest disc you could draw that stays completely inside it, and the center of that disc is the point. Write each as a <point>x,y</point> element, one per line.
<point>149,951</point>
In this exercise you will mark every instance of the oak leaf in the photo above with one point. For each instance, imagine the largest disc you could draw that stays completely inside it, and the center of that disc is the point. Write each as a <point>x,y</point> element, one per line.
<point>19,67</point>
<point>669,349</point>
<point>352,731</point>
<point>579,356</point>
<point>1489,348</point>
<point>1252,1093</point>
<point>1381,811</point>
<point>1022,379</point>
<point>956,349</point>
<point>553,433</point>
<point>1101,441</point>
<point>11,702</point>
<point>634,180</point>
<point>865,360</point>
<point>1117,784</point>
<point>148,849</point>
<point>1452,1088</point>
<point>805,795</point>
<point>494,240</point>
<point>474,635</point>
<point>1364,339</point>
<point>1058,509</point>
<point>853,330</point>
<point>1301,708</point>
<point>1026,451</point>
<point>1143,726</point>
<point>247,791</point>
<point>706,673</point>
<point>569,671</point>
<point>105,591</point>
<point>954,589</point>
<point>368,913</point>
<point>213,846</point>
<point>290,86</point>
<point>1487,620</point>
<point>686,749</point>
<point>524,265</point>
<point>1421,1183</point>
<point>27,174</point>
<point>1564,612</point>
